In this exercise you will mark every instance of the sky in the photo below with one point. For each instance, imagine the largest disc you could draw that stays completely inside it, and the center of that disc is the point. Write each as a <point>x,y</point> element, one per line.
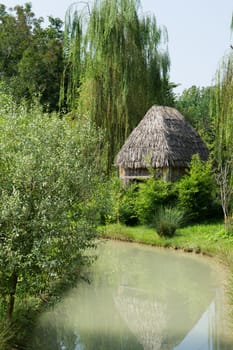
<point>198,31</point>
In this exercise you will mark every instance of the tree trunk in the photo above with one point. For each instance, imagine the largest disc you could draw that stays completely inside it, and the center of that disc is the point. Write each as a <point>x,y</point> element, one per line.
<point>228,223</point>
<point>11,302</point>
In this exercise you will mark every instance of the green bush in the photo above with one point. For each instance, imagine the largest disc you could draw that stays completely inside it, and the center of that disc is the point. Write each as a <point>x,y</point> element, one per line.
<point>196,191</point>
<point>109,193</point>
<point>127,208</point>
<point>153,194</point>
<point>167,220</point>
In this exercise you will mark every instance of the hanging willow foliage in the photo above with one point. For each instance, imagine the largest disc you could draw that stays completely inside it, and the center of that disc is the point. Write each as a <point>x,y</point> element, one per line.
<point>115,69</point>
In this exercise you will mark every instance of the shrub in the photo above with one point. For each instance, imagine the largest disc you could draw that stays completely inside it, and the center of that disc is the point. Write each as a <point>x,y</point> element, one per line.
<point>196,190</point>
<point>167,220</point>
<point>153,194</point>
<point>127,209</point>
<point>109,192</point>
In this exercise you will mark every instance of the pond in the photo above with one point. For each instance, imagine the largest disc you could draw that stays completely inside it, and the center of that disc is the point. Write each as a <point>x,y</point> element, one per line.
<point>139,297</point>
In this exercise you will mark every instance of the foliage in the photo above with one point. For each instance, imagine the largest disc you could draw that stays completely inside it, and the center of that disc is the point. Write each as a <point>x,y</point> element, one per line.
<point>49,203</point>
<point>167,220</point>
<point>119,202</point>
<point>31,55</point>
<point>194,104</point>
<point>6,99</point>
<point>109,192</point>
<point>127,210</point>
<point>41,65</point>
<point>15,37</point>
<point>195,194</point>
<point>6,335</point>
<point>114,66</point>
<point>196,190</point>
<point>222,110</point>
<point>153,194</point>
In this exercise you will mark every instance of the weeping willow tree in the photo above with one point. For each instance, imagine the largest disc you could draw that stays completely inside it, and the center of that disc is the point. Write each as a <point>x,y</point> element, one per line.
<point>115,67</point>
<point>222,110</point>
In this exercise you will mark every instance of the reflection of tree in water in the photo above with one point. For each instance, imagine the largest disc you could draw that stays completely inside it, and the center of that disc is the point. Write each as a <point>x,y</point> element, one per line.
<point>86,319</point>
<point>145,318</point>
<point>54,338</point>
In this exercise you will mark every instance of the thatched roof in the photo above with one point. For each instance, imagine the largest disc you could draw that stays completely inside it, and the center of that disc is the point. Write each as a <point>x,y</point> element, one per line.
<point>163,138</point>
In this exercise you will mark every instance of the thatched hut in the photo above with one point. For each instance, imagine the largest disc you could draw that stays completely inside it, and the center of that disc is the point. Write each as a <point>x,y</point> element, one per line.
<point>163,140</point>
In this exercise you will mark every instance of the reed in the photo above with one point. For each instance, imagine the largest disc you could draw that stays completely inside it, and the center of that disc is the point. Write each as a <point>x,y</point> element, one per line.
<point>167,220</point>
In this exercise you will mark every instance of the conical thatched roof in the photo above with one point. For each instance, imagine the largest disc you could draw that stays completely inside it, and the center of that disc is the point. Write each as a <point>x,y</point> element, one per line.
<point>163,138</point>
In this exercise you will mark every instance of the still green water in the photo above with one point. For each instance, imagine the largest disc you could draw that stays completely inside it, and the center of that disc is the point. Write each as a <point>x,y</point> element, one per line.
<point>139,297</point>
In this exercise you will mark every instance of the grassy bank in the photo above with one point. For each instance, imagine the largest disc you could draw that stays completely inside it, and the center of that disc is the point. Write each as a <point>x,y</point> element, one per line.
<point>206,238</point>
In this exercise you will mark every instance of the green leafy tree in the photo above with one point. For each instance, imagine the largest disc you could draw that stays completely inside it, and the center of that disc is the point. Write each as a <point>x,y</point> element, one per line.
<point>15,37</point>
<point>194,104</point>
<point>31,55</point>
<point>114,68</point>
<point>49,200</point>
<point>41,66</point>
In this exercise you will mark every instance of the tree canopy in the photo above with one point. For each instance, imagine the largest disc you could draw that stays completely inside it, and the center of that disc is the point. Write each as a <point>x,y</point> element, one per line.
<point>31,55</point>
<point>194,104</point>
<point>49,200</point>
<point>115,67</point>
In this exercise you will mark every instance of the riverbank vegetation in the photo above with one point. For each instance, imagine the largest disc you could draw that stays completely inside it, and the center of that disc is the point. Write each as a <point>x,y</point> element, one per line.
<point>69,97</point>
<point>206,238</point>
<point>52,195</point>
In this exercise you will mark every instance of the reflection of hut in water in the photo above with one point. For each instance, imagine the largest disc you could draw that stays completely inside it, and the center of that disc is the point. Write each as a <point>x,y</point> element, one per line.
<point>145,318</point>
<point>164,141</point>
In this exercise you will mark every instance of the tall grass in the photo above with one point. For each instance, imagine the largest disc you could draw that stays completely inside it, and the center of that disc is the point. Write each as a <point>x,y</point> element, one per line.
<point>167,220</point>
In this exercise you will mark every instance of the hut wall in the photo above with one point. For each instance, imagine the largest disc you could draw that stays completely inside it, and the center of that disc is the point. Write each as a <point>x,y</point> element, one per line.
<point>137,172</point>
<point>128,175</point>
<point>169,174</point>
